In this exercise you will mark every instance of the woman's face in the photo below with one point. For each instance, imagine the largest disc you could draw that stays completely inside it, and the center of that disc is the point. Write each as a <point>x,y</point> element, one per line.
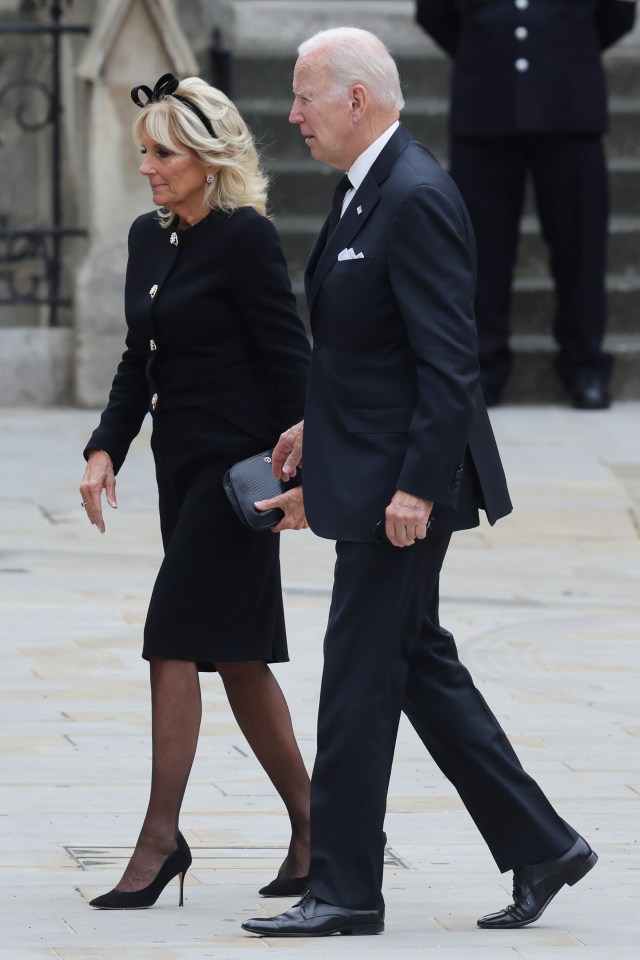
<point>177,177</point>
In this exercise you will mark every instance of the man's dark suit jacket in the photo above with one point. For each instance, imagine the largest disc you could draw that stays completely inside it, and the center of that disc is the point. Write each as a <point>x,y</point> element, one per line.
<point>563,89</point>
<point>393,400</point>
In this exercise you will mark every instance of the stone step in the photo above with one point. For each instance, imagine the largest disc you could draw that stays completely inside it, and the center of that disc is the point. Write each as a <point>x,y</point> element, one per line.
<point>306,187</point>
<point>533,378</point>
<point>280,140</point>
<point>272,76</point>
<point>301,195</point>
<point>623,247</point>
<point>427,76</point>
<point>533,306</point>
<point>427,119</point>
<point>298,234</point>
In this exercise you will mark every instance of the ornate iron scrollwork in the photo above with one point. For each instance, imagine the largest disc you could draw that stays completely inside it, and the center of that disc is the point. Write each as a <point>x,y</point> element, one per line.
<point>30,257</point>
<point>21,109</point>
<point>24,264</point>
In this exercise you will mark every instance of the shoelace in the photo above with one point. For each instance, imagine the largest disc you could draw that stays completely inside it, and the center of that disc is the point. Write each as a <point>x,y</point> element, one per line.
<point>517,887</point>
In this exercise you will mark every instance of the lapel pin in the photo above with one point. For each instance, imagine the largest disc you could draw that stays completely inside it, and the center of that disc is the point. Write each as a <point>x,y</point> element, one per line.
<point>153,291</point>
<point>174,239</point>
<point>359,211</point>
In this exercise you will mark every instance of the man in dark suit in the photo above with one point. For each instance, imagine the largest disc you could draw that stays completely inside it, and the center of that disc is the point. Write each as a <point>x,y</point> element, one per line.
<point>529,94</point>
<point>396,439</point>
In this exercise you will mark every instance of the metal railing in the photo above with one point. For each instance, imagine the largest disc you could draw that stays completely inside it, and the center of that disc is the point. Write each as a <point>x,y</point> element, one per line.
<point>42,246</point>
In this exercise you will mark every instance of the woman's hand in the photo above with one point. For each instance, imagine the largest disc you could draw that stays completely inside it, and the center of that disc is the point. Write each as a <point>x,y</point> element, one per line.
<point>98,476</point>
<point>287,453</point>
<point>292,502</point>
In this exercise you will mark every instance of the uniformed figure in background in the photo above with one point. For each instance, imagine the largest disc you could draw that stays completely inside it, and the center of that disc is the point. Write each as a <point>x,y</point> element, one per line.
<point>529,93</point>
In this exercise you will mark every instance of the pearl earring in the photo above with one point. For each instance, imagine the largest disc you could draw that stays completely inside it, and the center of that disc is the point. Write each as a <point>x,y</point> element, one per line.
<point>210,178</point>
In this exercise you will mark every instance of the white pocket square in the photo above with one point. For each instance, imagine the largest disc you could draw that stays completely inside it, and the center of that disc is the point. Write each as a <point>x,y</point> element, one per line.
<point>350,254</point>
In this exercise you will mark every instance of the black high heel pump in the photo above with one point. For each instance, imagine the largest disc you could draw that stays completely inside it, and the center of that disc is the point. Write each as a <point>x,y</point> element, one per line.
<point>176,864</point>
<point>285,887</point>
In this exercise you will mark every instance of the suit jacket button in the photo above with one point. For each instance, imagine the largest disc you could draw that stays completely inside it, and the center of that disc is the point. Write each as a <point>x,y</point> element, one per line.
<point>522,65</point>
<point>154,401</point>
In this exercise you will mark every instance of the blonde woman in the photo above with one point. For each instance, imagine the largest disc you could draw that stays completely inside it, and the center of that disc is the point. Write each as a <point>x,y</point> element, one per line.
<point>216,353</point>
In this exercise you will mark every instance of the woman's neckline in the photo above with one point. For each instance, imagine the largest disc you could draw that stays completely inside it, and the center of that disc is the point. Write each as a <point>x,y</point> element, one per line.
<point>189,227</point>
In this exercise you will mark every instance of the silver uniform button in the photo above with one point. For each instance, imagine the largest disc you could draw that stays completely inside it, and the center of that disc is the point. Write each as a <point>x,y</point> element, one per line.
<point>522,65</point>
<point>522,4</point>
<point>154,401</point>
<point>522,33</point>
<point>153,291</point>
<point>153,345</point>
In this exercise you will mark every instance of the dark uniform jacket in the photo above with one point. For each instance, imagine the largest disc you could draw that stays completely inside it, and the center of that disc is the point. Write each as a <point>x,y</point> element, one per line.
<point>393,401</point>
<point>212,325</point>
<point>526,66</point>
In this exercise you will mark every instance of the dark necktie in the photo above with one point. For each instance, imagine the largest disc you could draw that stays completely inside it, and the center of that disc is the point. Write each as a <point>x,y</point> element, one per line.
<point>344,185</point>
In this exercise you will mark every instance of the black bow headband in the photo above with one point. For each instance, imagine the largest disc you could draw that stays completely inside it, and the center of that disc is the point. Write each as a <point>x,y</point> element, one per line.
<point>165,87</point>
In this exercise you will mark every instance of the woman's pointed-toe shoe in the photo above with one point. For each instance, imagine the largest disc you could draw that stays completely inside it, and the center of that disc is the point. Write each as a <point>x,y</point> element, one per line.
<point>176,864</point>
<point>285,887</point>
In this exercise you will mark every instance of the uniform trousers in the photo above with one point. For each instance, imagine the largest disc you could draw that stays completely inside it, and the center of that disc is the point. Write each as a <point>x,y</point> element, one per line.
<point>385,652</point>
<point>571,192</point>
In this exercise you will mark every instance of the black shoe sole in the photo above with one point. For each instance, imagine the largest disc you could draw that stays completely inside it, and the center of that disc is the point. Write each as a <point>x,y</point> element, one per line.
<point>353,930</point>
<point>363,930</point>
<point>572,879</point>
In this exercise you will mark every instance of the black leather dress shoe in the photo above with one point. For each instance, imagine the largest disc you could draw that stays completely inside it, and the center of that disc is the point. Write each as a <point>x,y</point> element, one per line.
<point>311,917</point>
<point>285,887</point>
<point>535,887</point>
<point>590,393</point>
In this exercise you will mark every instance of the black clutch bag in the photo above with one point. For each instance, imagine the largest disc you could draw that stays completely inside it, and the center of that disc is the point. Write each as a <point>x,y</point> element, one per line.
<point>251,480</point>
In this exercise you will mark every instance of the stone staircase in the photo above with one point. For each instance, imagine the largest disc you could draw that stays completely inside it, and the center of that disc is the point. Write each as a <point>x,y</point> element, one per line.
<point>301,191</point>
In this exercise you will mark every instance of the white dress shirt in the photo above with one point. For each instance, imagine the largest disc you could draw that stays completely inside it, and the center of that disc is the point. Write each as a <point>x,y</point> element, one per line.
<point>361,166</point>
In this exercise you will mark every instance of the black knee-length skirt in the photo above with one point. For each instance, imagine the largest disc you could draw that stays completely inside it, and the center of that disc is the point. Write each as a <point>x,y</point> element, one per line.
<point>218,594</point>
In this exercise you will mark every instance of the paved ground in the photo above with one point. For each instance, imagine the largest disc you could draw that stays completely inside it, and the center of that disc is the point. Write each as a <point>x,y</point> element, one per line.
<point>545,608</point>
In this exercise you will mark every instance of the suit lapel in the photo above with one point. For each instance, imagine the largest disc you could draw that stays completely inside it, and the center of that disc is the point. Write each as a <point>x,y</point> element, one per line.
<point>364,200</point>
<point>316,252</point>
<point>324,255</point>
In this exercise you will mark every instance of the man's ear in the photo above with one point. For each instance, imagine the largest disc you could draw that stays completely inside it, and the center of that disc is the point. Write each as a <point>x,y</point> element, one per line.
<point>358,101</point>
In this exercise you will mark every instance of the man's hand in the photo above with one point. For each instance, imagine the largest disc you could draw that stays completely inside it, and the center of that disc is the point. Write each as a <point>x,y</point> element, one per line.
<point>291,501</point>
<point>98,476</point>
<point>287,453</point>
<point>406,519</point>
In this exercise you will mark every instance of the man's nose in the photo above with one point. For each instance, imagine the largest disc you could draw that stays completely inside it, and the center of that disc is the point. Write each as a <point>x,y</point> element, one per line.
<point>295,116</point>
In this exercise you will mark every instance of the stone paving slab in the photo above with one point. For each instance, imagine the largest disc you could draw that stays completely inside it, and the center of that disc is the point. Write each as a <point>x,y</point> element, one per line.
<point>545,609</point>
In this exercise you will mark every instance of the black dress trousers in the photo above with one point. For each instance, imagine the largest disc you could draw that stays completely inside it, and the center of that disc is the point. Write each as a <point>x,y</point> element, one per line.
<point>389,655</point>
<point>570,185</point>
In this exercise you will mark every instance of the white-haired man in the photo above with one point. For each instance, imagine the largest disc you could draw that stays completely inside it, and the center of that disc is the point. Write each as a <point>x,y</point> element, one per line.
<point>397,441</point>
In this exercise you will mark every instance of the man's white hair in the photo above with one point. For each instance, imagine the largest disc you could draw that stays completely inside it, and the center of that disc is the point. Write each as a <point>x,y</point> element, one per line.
<point>357,56</point>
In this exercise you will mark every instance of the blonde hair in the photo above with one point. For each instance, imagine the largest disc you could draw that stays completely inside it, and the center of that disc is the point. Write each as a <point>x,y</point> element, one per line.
<point>358,56</point>
<point>240,182</point>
